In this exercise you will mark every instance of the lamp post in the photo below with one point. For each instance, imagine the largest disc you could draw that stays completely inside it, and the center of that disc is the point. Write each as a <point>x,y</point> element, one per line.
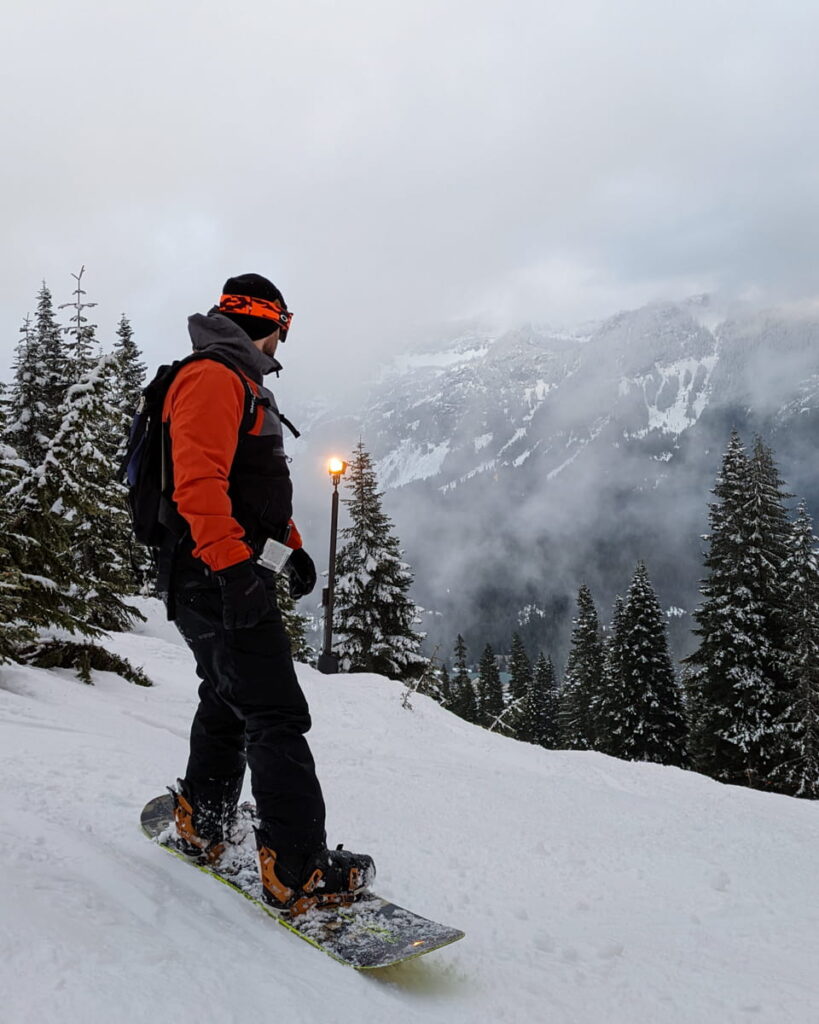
<point>328,662</point>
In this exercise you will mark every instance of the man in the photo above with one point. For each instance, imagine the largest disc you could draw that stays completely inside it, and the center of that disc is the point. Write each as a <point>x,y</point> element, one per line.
<point>231,486</point>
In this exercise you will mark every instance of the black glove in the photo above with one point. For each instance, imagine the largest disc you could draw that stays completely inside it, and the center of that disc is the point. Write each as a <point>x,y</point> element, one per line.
<point>301,573</point>
<point>244,598</point>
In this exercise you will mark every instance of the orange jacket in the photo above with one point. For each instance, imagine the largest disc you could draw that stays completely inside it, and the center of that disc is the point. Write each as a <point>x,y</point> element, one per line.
<point>205,405</point>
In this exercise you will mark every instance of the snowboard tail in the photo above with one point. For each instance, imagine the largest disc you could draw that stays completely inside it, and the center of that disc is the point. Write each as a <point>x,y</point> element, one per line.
<point>368,933</point>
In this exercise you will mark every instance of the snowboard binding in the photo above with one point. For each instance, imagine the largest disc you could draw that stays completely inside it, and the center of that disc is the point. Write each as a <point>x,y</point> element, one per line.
<point>328,878</point>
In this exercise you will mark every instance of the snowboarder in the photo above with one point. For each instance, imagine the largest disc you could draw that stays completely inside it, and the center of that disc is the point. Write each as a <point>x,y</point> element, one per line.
<point>231,486</point>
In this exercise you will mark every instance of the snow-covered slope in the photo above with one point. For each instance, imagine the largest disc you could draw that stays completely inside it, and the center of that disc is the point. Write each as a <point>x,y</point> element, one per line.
<point>590,890</point>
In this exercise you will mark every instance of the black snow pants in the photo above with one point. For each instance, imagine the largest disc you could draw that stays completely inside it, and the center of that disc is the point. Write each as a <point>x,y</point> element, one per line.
<point>251,711</point>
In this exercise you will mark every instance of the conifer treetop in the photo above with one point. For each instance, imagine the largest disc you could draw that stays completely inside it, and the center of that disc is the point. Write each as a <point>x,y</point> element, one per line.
<point>375,618</point>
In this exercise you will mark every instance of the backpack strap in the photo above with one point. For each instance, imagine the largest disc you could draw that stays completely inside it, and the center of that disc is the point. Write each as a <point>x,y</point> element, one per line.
<point>252,400</point>
<point>289,425</point>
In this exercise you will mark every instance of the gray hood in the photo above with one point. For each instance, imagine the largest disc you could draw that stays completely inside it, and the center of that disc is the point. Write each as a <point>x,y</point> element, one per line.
<point>221,334</point>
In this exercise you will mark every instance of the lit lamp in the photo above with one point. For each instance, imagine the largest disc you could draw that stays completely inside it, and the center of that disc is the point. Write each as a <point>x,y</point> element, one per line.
<point>328,662</point>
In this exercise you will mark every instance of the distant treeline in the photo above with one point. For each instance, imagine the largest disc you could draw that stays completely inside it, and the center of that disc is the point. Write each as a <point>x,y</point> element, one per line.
<point>745,707</point>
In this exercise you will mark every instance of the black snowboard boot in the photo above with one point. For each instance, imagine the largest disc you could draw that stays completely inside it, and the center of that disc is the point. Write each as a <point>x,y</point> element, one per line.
<point>204,813</point>
<point>297,882</point>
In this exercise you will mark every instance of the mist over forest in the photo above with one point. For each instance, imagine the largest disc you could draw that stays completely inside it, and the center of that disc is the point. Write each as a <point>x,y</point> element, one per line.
<point>518,466</point>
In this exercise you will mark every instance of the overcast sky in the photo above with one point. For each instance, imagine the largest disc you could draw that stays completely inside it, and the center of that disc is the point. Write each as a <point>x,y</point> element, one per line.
<point>394,165</point>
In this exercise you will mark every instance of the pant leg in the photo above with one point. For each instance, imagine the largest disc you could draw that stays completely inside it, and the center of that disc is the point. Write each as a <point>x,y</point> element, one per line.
<point>217,743</point>
<point>251,673</point>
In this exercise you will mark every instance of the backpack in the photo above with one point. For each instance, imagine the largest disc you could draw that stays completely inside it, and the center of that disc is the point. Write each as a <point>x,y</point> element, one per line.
<point>146,465</point>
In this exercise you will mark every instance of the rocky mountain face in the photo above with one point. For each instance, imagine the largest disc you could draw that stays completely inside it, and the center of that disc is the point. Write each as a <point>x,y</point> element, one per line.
<point>517,467</point>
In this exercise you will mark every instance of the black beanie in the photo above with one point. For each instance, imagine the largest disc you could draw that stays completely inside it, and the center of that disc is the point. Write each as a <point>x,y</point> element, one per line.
<point>257,287</point>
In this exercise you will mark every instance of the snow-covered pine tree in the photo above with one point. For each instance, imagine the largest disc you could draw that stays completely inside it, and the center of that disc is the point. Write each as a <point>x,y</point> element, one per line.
<point>736,687</point>
<point>53,608</point>
<point>490,692</point>
<point>797,768</point>
<point>374,614</point>
<point>464,702</point>
<point>15,632</point>
<point>130,370</point>
<point>652,722</point>
<point>295,624</point>
<point>81,348</point>
<point>609,706</point>
<point>75,485</point>
<point>582,681</point>
<point>444,688</point>
<point>520,669</point>
<point>26,409</point>
<point>128,381</point>
<point>39,541</point>
<point>53,623</point>
<point>428,683</point>
<point>536,721</point>
<point>54,371</point>
<point>545,678</point>
<point>772,532</point>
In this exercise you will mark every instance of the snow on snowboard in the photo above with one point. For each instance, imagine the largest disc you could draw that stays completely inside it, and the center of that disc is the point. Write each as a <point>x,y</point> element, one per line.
<point>372,932</point>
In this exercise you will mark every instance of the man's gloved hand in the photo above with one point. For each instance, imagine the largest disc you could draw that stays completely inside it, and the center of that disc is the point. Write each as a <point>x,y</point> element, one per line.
<point>301,573</point>
<point>244,598</point>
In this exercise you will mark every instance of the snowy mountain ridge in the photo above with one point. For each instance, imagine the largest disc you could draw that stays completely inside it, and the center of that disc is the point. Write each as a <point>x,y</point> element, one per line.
<point>588,450</point>
<point>590,889</point>
<point>508,397</point>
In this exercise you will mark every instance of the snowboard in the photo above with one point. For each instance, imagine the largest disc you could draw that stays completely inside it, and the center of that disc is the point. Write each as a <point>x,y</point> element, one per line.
<point>370,933</point>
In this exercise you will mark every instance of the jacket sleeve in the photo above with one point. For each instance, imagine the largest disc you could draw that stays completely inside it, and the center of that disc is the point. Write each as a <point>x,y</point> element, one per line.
<point>205,405</point>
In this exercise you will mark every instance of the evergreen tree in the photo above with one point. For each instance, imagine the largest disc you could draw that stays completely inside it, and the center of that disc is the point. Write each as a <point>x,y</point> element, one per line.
<point>459,664</point>
<point>50,617</point>
<point>537,719</point>
<point>464,701</point>
<point>374,614</point>
<point>26,407</point>
<point>15,632</point>
<point>797,768</point>
<point>80,346</point>
<point>490,691</point>
<point>583,679</point>
<point>771,530</point>
<point>295,625</point>
<point>128,381</point>
<point>520,669</point>
<point>609,706</point>
<point>651,722</point>
<point>39,540</point>
<point>740,659</point>
<point>54,371</point>
<point>131,370</point>
<point>444,688</point>
<point>75,485</point>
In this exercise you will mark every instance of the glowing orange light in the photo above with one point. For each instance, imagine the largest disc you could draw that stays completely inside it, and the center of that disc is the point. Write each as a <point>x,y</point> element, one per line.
<point>336,467</point>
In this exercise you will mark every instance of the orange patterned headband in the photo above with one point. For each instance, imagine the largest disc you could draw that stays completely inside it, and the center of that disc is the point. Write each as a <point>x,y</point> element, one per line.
<point>265,309</point>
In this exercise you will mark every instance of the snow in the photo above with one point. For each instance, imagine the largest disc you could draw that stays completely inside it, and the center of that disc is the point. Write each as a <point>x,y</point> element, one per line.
<point>590,890</point>
<point>482,441</point>
<point>535,394</point>
<point>438,360</point>
<point>680,414</point>
<point>518,434</point>
<point>409,462</point>
<point>684,411</point>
